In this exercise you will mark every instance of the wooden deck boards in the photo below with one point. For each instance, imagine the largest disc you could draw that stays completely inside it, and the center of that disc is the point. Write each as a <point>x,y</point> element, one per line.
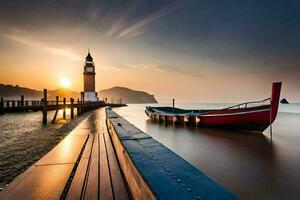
<point>92,181</point>
<point>85,159</point>
<point>105,186</point>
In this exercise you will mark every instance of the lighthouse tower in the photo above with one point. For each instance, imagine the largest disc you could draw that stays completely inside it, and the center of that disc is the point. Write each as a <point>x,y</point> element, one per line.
<point>89,79</point>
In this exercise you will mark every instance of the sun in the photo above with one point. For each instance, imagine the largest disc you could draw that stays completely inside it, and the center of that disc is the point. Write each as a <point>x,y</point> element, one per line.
<point>65,83</point>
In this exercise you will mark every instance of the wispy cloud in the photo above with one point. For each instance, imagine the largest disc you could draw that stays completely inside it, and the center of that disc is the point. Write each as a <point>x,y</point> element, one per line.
<point>136,29</point>
<point>155,65</point>
<point>31,41</point>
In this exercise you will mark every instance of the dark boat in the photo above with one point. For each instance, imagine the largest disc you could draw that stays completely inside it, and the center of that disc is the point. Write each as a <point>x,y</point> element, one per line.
<point>247,116</point>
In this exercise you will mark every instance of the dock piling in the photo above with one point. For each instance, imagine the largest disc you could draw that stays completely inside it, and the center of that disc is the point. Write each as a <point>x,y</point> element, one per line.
<point>45,107</point>
<point>22,100</point>
<point>173,105</point>
<point>64,110</point>
<point>78,109</point>
<point>72,108</point>
<point>1,106</point>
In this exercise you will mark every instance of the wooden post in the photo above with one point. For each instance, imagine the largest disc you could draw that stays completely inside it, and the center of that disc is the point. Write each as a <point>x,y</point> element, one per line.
<point>26,103</point>
<point>82,96</point>
<point>22,100</point>
<point>57,98</point>
<point>72,108</point>
<point>1,106</point>
<point>173,107</point>
<point>45,107</point>
<point>78,109</point>
<point>13,103</point>
<point>64,110</point>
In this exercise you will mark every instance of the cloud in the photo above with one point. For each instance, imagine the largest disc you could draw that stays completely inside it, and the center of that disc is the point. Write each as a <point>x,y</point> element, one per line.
<point>25,39</point>
<point>134,30</point>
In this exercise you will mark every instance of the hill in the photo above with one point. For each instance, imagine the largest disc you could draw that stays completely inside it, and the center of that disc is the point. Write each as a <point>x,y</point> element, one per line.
<point>62,92</point>
<point>14,93</point>
<point>127,95</point>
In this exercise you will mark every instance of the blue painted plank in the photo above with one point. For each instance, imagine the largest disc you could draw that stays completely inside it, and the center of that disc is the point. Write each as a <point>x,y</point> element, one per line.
<point>167,174</point>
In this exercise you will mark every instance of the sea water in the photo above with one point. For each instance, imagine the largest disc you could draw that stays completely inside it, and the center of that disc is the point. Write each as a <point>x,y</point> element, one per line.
<point>24,140</point>
<point>251,165</point>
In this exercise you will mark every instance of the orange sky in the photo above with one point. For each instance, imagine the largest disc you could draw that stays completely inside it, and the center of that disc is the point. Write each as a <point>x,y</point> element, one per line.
<point>167,49</point>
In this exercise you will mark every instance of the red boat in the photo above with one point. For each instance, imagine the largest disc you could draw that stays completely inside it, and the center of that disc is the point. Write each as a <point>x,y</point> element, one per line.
<point>247,116</point>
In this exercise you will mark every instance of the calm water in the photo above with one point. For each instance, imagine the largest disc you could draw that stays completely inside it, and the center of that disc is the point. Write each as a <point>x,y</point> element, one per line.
<point>24,140</point>
<point>250,165</point>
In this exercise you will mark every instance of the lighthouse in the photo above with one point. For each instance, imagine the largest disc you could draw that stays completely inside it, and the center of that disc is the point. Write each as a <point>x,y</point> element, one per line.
<point>89,79</point>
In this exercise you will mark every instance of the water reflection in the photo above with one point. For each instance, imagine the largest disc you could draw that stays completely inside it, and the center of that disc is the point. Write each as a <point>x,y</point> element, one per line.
<point>24,140</point>
<point>248,164</point>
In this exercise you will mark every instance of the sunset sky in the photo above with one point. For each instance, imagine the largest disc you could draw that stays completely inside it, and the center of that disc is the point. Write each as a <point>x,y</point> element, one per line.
<point>192,50</point>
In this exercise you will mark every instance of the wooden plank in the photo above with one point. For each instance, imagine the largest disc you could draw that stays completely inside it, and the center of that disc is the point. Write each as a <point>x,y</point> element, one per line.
<point>67,151</point>
<point>42,182</point>
<point>138,187</point>
<point>78,181</point>
<point>92,182</point>
<point>155,172</point>
<point>105,183</point>
<point>118,184</point>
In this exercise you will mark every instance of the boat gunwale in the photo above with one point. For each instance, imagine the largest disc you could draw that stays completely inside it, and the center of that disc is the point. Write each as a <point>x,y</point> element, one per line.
<point>254,109</point>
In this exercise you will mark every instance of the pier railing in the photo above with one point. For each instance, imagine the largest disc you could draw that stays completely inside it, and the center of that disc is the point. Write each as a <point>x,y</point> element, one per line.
<point>46,105</point>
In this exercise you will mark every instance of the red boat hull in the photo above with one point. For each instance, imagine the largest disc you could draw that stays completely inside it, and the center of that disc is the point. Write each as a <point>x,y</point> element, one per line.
<point>256,118</point>
<point>251,119</point>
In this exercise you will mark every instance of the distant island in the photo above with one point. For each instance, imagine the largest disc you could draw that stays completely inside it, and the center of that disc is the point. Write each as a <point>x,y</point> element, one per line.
<point>127,95</point>
<point>284,101</point>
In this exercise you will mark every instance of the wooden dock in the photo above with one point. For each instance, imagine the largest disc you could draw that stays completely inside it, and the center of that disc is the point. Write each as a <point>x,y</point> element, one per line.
<point>82,166</point>
<point>106,157</point>
<point>44,105</point>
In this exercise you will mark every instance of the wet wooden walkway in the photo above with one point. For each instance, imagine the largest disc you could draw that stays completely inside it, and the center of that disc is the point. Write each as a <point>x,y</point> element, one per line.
<point>81,166</point>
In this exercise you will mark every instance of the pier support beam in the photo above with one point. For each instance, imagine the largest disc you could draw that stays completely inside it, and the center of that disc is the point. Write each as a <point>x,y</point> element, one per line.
<point>22,100</point>
<point>64,110</point>
<point>1,106</point>
<point>72,108</point>
<point>45,107</point>
<point>56,111</point>
<point>173,106</point>
<point>78,109</point>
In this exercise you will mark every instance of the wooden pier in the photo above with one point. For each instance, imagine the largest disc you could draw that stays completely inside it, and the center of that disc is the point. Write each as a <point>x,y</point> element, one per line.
<point>82,166</point>
<point>106,157</point>
<point>44,105</point>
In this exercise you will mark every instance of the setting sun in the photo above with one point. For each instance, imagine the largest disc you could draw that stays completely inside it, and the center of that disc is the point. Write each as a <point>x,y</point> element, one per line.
<point>65,83</point>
